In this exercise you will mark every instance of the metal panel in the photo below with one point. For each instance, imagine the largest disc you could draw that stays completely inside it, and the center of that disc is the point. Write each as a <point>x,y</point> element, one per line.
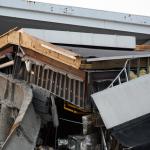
<point>124,102</point>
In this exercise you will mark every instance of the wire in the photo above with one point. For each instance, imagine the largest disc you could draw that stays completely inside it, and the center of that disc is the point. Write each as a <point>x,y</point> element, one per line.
<point>70,121</point>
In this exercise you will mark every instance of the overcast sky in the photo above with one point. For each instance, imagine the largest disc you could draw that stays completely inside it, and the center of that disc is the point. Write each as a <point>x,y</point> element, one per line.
<point>139,7</point>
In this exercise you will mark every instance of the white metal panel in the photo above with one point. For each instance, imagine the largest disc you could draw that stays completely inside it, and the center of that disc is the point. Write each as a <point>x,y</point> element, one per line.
<point>80,38</point>
<point>124,102</point>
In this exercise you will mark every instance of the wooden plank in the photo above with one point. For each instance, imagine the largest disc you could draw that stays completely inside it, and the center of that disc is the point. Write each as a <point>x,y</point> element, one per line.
<point>6,50</point>
<point>42,76</point>
<point>38,75</point>
<point>14,38</point>
<point>111,64</point>
<point>69,89</point>
<point>2,57</point>
<point>142,47</point>
<point>64,87</point>
<point>3,41</point>
<point>79,93</point>
<point>59,85</point>
<point>35,73</point>
<point>74,91</point>
<point>47,78</point>
<point>51,81</point>
<point>11,30</point>
<point>104,65</point>
<point>4,37</point>
<point>7,64</point>
<point>55,83</point>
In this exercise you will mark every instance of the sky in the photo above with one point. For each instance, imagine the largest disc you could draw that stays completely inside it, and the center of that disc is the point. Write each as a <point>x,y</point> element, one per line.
<point>138,7</point>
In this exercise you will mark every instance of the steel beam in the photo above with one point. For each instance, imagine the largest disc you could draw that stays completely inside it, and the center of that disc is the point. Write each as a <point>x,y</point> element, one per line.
<point>75,16</point>
<point>80,38</point>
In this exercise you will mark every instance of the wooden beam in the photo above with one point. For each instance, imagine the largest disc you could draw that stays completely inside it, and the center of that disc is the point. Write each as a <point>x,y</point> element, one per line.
<point>112,64</point>
<point>142,47</point>
<point>2,57</point>
<point>7,64</point>
<point>6,50</point>
<point>103,65</point>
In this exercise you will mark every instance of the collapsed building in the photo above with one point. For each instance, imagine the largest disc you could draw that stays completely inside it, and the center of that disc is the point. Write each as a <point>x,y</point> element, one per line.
<point>89,94</point>
<point>58,83</point>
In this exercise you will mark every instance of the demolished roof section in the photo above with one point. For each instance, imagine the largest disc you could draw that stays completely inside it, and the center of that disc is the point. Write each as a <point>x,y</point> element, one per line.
<point>25,40</point>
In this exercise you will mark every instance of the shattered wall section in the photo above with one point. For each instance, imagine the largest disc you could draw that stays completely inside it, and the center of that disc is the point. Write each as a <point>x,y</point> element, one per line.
<point>19,124</point>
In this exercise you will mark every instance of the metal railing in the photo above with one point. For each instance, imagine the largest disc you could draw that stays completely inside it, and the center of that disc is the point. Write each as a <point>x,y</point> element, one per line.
<point>118,77</point>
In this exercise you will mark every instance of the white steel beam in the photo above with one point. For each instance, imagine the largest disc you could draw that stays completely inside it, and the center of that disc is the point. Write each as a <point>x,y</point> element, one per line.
<point>79,38</point>
<point>75,16</point>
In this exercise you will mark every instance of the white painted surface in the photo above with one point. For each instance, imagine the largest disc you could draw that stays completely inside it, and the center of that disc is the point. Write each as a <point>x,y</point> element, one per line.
<point>124,102</point>
<point>80,38</point>
<point>124,6</point>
